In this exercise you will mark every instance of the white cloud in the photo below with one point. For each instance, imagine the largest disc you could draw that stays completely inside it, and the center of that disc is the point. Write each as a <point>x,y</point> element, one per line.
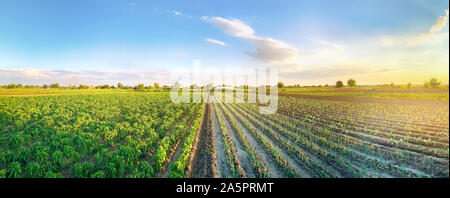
<point>433,36</point>
<point>272,51</point>
<point>177,13</point>
<point>25,72</point>
<point>76,77</point>
<point>234,27</point>
<point>332,71</point>
<point>215,41</point>
<point>429,38</point>
<point>329,44</point>
<point>440,23</point>
<point>266,49</point>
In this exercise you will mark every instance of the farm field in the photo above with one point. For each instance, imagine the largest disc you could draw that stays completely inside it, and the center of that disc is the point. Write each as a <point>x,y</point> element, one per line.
<point>98,135</point>
<point>24,92</point>
<point>133,134</point>
<point>376,92</point>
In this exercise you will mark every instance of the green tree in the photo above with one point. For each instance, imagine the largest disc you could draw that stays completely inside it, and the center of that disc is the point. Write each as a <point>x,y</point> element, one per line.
<point>139,87</point>
<point>156,85</point>
<point>339,84</point>
<point>10,86</point>
<point>120,85</point>
<point>351,82</point>
<point>433,83</point>
<point>54,86</point>
<point>83,87</point>
<point>280,84</point>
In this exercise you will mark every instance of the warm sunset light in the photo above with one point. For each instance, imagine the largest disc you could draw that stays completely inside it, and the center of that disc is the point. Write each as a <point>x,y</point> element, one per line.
<point>311,42</point>
<point>304,91</point>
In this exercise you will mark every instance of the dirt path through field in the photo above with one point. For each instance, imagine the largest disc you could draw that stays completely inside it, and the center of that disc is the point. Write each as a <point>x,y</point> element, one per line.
<point>204,156</point>
<point>222,167</point>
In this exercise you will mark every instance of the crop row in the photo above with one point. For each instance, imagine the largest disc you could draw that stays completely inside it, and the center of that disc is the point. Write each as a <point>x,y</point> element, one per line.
<point>101,135</point>
<point>255,159</point>
<point>279,159</point>
<point>177,169</point>
<point>230,150</point>
<point>285,125</point>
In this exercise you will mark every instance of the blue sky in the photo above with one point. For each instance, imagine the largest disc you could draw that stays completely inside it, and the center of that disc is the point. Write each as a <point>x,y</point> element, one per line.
<point>311,42</point>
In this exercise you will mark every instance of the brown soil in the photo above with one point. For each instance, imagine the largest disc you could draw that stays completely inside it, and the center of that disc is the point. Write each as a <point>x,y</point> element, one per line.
<point>202,163</point>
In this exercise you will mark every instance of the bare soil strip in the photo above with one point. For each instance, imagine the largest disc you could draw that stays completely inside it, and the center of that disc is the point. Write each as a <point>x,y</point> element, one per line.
<point>202,164</point>
<point>222,167</point>
<point>172,160</point>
